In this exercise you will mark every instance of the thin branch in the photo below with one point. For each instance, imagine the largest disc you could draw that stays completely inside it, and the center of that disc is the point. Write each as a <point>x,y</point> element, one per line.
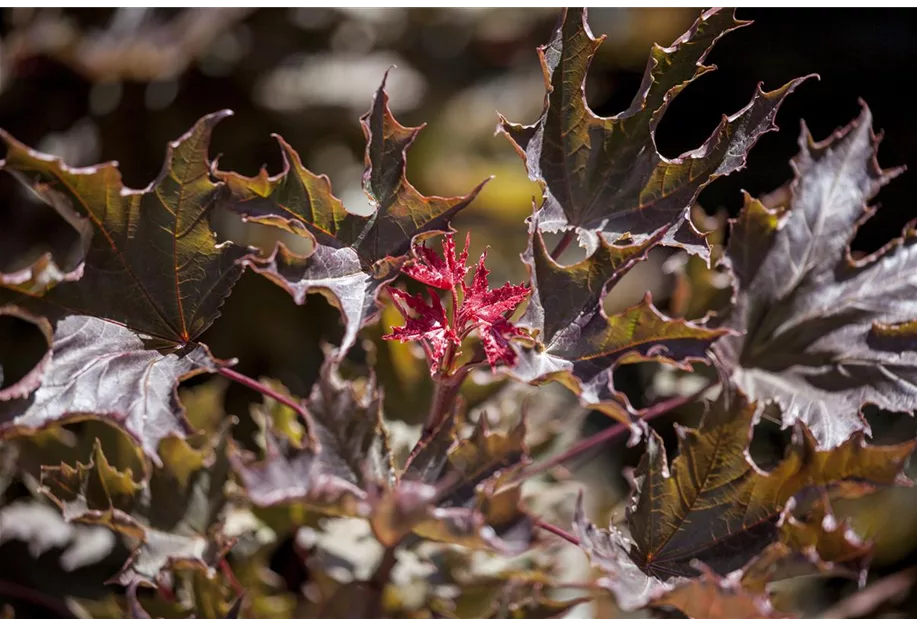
<point>440,408</point>
<point>869,599</point>
<point>379,581</point>
<point>565,241</point>
<point>234,583</point>
<point>248,382</point>
<point>12,590</point>
<point>557,531</point>
<point>610,434</point>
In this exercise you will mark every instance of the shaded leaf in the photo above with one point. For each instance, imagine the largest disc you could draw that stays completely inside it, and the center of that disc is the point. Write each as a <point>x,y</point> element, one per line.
<point>355,255</point>
<point>32,379</point>
<point>714,506</point>
<point>579,345</point>
<point>457,491</point>
<point>169,520</point>
<point>604,176</point>
<point>823,335</point>
<point>347,454</point>
<point>153,281</point>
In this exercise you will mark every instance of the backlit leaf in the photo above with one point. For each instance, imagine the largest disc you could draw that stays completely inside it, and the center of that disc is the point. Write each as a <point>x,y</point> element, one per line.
<point>153,280</point>
<point>355,255</point>
<point>579,345</point>
<point>604,176</point>
<point>714,506</point>
<point>707,596</point>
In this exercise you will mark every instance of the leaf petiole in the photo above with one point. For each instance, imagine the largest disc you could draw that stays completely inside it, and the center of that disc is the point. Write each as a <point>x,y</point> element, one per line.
<point>248,382</point>
<point>610,434</point>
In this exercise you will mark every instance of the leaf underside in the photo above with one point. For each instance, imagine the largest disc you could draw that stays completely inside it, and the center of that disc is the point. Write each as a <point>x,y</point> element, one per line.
<point>822,335</point>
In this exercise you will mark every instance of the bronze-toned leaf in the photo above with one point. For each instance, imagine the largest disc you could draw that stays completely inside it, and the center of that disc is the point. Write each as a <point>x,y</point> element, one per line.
<point>714,506</point>
<point>604,176</point>
<point>458,491</point>
<point>153,280</point>
<point>579,345</point>
<point>346,452</point>
<point>354,255</point>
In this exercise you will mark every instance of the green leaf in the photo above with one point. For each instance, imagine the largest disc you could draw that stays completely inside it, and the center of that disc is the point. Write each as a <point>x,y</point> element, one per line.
<point>153,280</point>
<point>354,255</point>
<point>604,176</point>
<point>823,335</point>
<point>579,345</point>
<point>169,520</point>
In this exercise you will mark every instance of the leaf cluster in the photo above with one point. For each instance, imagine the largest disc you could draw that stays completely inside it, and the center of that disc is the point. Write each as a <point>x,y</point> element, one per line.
<point>440,521</point>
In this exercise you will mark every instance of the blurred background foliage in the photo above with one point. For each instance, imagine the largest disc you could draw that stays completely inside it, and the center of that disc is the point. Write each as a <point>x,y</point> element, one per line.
<point>102,84</point>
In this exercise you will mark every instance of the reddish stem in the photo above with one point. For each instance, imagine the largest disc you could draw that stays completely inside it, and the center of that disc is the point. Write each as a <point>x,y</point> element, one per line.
<point>565,241</point>
<point>444,395</point>
<point>248,382</point>
<point>13,590</point>
<point>557,531</point>
<point>226,569</point>
<point>609,434</point>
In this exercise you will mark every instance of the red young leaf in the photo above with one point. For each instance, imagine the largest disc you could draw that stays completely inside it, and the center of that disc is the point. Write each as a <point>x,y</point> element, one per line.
<point>482,309</point>
<point>485,309</point>
<point>431,269</point>
<point>432,325</point>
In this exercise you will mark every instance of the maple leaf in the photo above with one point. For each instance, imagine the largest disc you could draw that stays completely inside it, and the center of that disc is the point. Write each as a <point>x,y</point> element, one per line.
<point>170,519</point>
<point>823,335</point>
<point>485,309</point>
<point>348,452</point>
<point>441,272</point>
<point>431,326</point>
<point>604,176</point>
<point>153,280</point>
<point>457,491</point>
<point>707,596</point>
<point>714,506</point>
<point>482,309</point>
<point>354,255</point>
<point>578,344</point>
